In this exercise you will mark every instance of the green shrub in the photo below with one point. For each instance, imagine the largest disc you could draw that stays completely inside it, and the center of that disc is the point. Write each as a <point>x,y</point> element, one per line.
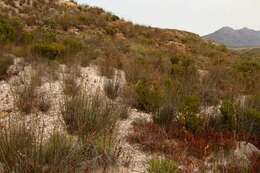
<point>228,119</point>
<point>162,166</point>
<point>189,108</point>
<point>248,121</point>
<point>190,105</point>
<point>22,150</point>
<point>70,86</point>
<point>49,50</point>
<point>165,115</point>
<point>247,71</point>
<point>57,148</point>
<point>148,98</point>
<point>195,124</point>
<point>26,37</point>
<point>7,32</point>
<point>88,115</point>
<point>17,149</point>
<point>10,29</point>
<point>123,111</point>
<point>25,98</point>
<point>73,45</point>
<point>5,62</point>
<point>111,88</point>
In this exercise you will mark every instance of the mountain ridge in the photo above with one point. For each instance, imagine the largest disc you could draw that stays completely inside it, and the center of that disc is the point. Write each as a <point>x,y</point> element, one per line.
<point>243,37</point>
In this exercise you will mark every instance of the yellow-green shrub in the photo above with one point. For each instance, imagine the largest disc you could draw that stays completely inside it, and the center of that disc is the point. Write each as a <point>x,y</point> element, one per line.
<point>50,51</point>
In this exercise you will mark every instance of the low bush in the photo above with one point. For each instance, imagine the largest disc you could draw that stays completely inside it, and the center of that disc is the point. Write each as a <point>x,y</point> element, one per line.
<point>25,98</point>
<point>154,138</point>
<point>88,115</point>
<point>195,124</point>
<point>190,105</point>
<point>247,71</point>
<point>123,111</point>
<point>111,88</point>
<point>43,103</point>
<point>162,166</point>
<point>70,86</point>
<point>73,45</point>
<point>50,51</point>
<point>248,121</point>
<point>228,118</point>
<point>148,97</point>
<point>21,150</point>
<point>189,109</point>
<point>5,62</point>
<point>28,99</point>
<point>165,115</point>
<point>10,29</point>
<point>58,148</point>
<point>24,149</point>
<point>106,67</point>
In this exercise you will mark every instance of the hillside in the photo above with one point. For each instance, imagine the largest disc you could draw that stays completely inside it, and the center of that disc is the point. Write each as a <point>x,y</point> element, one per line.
<point>83,91</point>
<point>244,37</point>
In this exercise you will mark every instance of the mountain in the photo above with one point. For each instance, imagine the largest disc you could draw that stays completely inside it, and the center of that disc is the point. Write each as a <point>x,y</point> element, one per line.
<point>244,37</point>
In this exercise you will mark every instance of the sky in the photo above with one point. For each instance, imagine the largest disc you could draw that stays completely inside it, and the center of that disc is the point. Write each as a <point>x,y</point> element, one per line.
<point>198,16</point>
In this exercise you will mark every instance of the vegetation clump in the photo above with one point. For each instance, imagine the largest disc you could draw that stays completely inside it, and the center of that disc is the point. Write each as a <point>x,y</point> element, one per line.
<point>5,63</point>
<point>162,166</point>
<point>50,51</point>
<point>86,115</point>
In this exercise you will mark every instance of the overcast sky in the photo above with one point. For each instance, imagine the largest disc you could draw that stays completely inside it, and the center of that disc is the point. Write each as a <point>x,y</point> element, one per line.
<point>199,16</point>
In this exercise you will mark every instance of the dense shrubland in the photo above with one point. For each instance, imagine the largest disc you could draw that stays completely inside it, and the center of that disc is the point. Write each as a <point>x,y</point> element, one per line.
<point>173,75</point>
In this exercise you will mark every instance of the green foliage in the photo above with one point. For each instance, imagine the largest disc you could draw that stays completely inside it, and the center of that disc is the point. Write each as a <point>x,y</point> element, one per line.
<point>183,66</point>
<point>86,116</point>
<point>22,150</point>
<point>57,148</point>
<point>247,71</point>
<point>189,108</point>
<point>165,115</point>
<point>249,121</point>
<point>50,51</point>
<point>148,98</point>
<point>162,166</point>
<point>73,45</point>
<point>195,124</point>
<point>243,119</point>
<point>10,29</point>
<point>111,88</point>
<point>27,38</point>
<point>228,119</point>
<point>190,105</point>
<point>5,62</point>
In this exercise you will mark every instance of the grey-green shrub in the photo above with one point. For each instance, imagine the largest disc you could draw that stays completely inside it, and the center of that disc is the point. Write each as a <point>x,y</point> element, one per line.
<point>165,115</point>
<point>111,88</point>
<point>86,115</point>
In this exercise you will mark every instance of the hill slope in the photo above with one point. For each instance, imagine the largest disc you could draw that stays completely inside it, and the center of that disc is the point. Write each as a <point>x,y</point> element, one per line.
<point>236,38</point>
<point>102,93</point>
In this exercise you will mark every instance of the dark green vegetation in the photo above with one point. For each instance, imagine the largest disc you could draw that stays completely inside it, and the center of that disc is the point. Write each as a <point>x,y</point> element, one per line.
<point>171,74</point>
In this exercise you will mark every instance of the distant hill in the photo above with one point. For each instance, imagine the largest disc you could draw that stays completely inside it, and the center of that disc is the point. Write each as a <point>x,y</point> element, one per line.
<point>244,37</point>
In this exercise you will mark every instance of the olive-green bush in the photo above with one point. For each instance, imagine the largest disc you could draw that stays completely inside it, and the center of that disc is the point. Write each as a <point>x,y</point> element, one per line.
<point>162,166</point>
<point>50,51</point>
<point>5,62</point>
<point>148,98</point>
